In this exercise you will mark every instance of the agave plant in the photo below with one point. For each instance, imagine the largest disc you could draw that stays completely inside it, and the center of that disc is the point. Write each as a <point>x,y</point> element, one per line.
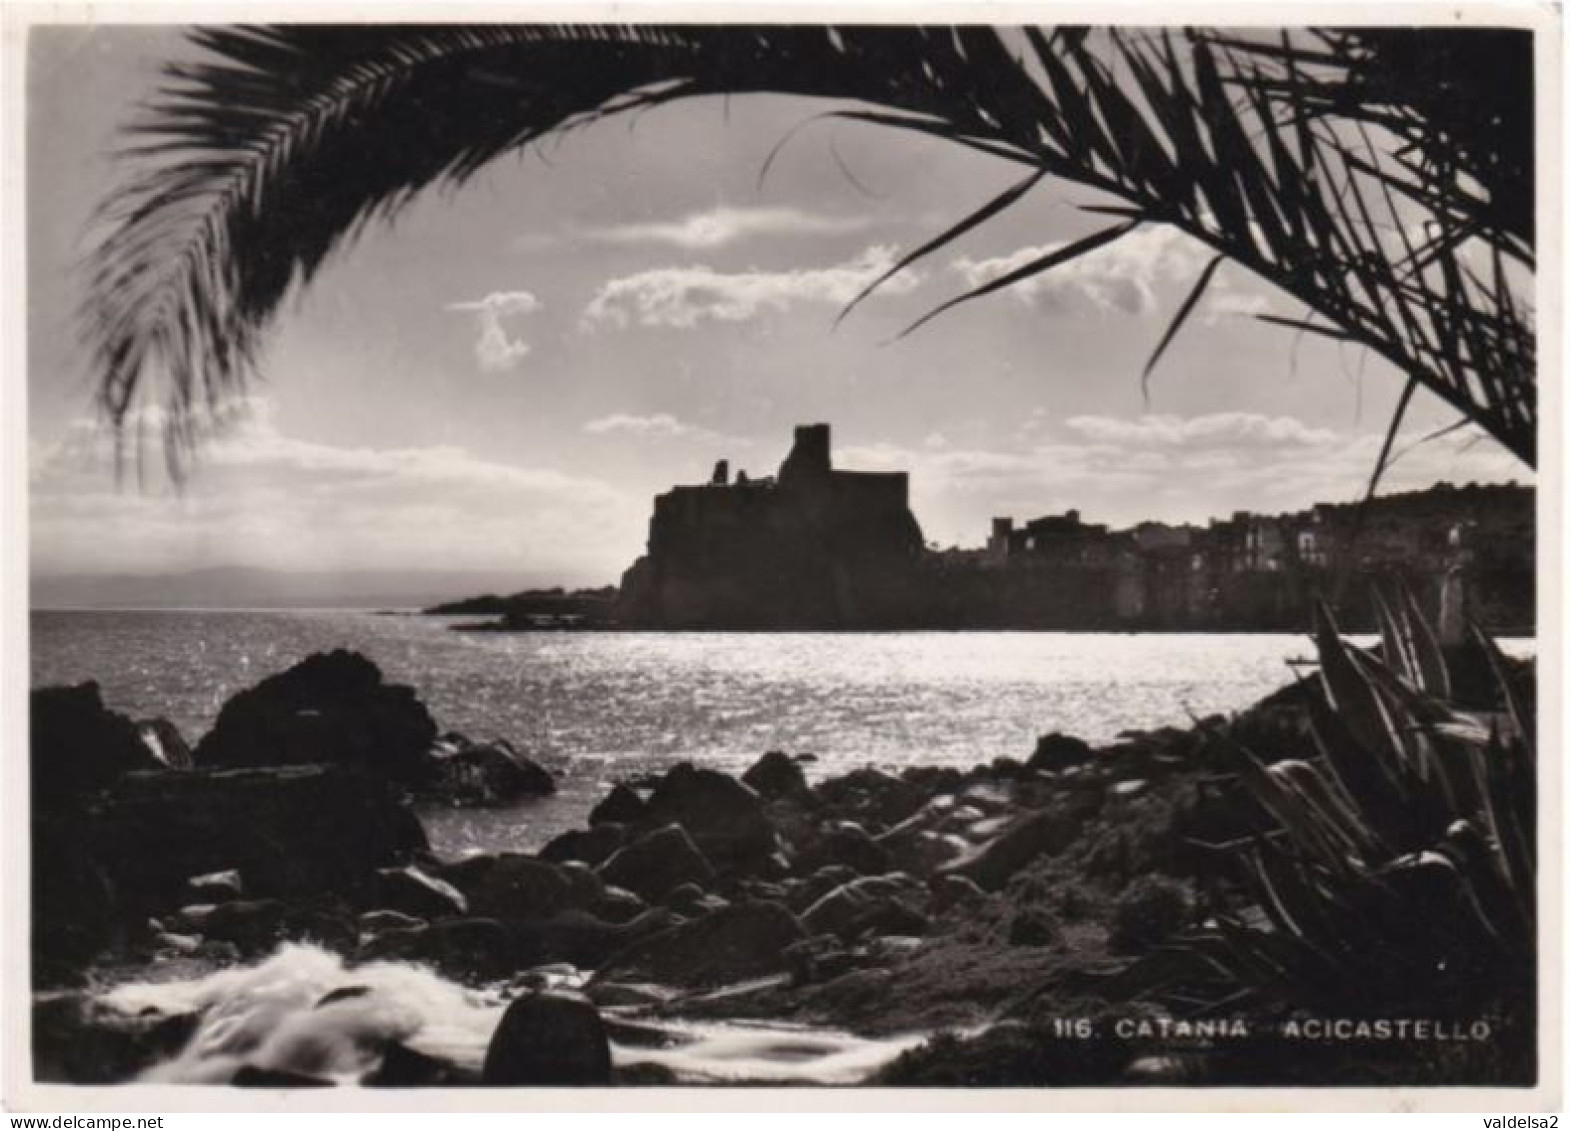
<point>1398,868</point>
<point>1382,179</point>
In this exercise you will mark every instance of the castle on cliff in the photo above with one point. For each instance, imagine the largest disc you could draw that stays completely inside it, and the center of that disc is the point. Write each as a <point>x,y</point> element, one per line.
<point>811,547</point>
<point>815,547</point>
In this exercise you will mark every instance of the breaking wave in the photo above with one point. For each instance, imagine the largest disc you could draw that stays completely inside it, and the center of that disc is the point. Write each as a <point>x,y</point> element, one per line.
<point>302,1011</point>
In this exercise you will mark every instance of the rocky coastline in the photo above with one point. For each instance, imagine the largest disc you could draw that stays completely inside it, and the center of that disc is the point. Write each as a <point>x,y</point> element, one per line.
<point>1013,924</point>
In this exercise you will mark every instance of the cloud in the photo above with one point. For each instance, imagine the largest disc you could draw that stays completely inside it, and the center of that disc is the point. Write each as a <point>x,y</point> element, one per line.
<point>1120,277</point>
<point>717,227</point>
<point>260,496</point>
<point>682,297</point>
<point>661,424</point>
<point>1218,430</point>
<point>496,349</point>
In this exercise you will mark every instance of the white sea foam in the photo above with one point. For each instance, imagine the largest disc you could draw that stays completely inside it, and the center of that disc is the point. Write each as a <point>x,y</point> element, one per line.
<point>268,1016</point>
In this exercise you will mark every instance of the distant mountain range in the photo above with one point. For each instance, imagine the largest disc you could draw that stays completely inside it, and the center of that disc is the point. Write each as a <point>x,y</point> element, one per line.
<point>246,588</point>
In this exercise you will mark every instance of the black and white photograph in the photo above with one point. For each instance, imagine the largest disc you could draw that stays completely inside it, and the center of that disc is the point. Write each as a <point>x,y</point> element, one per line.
<point>783,550</point>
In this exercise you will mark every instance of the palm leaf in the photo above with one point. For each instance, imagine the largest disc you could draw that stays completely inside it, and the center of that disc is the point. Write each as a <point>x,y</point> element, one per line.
<point>275,149</point>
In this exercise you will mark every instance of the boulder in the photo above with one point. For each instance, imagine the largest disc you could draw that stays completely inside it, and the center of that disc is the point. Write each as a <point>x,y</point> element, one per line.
<point>290,830</point>
<point>77,745</point>
<point>733,944</point>
<point>920,851</point>
<point>846,842</point>
<point>582,939</point>
<point>165,743</point>
<point>654,864</point>
<point>466,950</point>
<point>955,892</point>
<point>819,884</point>
<point>592,846</point>
<point>215,887</point>
<point>1032,926</point>
<point>725,819</point>
<point>691,902</point>
<point>547,1040</point>
<point>621,806</point>
<point>776,776</point>
<point>1031,835</point>
<point>1056,752</point>
<point>329,929</point>
<point>412,892</point>
<point>618,905</point>
<point>254,926</point>
<point>76,910</point>
<point>252,1076</point>
<point>871,797</point>
<point>403,1067</point>
<point>880,905</point>
<point>374,922</point>
<point>510,886</point>
<point>331,707</point>
<point>464,773</point>
<point>933,780</point>
<point>79,1040</point>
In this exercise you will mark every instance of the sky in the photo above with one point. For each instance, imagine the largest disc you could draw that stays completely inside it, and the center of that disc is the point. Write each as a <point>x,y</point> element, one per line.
<point>505,377</point>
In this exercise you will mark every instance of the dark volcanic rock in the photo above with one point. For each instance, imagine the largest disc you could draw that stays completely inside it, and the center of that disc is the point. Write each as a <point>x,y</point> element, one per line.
<point>548,1039</point>
<point>871,797</point>
<point>819,884</point>
<point>621,806</point>
<point>373,922</point>
<point>483,773</point>
<point>725,819</point>
<point>403,1067</point>
<point>215,887</point>
<point>1031,926</point>
<point>252,925</point>
<point>78,1040</point>
<point>469,950</point>
<point>78,745</point>
<point>583,939</point>
<point>881,905</point>
<point>591,846</point>
<point>1059,752</point>
<point>76,910</point>
<point>1034,834</point>
<point>729,945</point>
<point>331,707</point>
<point>255,926</point>
<point>618,905</point>
<point>250,1076</point>
<point>342,993</point>
<point>511,886</point>
<point>955,892</point>
<point>846,842</point>
<point>294,830</point>
<point>776,775</point>
<point>654,864</point>
<point>412,892</point>
<point>165,743</point>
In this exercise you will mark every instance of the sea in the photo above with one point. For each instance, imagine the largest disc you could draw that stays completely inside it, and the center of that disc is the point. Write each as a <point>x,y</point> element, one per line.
<point>599,707</point>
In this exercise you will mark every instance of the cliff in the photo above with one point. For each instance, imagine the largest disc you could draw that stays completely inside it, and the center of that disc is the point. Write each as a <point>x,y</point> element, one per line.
<point>813,547</point>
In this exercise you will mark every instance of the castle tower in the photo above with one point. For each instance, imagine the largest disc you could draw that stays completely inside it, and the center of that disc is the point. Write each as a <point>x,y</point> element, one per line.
<point>1002,532</point>
<point>809,461</point>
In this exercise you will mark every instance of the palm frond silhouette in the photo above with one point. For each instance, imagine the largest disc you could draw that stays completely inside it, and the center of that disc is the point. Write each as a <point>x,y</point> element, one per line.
<point>1381,178</point>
